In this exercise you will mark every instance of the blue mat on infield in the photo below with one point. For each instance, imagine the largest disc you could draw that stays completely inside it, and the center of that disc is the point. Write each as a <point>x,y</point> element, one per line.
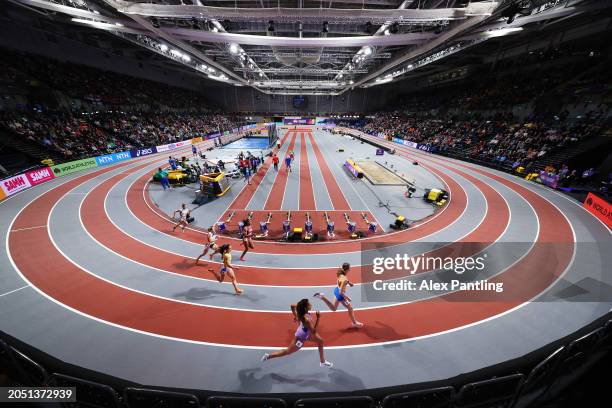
<point>249,143</point>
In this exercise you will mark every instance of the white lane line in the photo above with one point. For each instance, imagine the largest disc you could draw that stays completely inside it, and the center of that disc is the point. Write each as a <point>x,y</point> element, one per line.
<point>14,290</point>
<point>28,228</point>
<point>296,142</point>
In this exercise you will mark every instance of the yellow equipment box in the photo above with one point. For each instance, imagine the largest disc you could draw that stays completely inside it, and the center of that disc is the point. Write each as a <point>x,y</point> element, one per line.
<point>434,194</point>
<point>214,183</point>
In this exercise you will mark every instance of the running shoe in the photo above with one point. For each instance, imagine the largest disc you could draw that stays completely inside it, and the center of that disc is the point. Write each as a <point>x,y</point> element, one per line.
<point>357,325</point>
<point>327,364</point>
<point>319,295</point>
<point>265,357</point>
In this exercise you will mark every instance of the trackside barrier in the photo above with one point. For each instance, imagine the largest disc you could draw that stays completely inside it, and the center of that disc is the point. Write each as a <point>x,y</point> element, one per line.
<point>514,390</point>
<point>15,184</point>
<point>498,391</point>
<point>147,398</point>
<point>21,368</point>
<point>431,398</point>
<point>338,402</point>
<point>89,393</point>
<point>244,402</point>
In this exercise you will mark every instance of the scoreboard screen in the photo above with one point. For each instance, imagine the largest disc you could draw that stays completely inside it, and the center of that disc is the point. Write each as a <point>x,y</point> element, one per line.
<point>298,120</point>
<point>300,101</point>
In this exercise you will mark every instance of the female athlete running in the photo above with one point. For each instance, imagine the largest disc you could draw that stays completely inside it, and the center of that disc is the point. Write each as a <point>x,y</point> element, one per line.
<point>306,331</point>
<point>340,294</point>
<point>184,214</point>
<point>247,238</point>
<point>211,244</point>
<point>227,268</point>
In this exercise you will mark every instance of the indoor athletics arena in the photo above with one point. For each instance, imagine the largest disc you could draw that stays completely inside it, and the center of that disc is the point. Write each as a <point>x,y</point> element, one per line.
<point>269,204</point>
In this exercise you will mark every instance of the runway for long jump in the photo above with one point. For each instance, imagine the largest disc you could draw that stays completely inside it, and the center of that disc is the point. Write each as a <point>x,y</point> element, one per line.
<point>92,274</point>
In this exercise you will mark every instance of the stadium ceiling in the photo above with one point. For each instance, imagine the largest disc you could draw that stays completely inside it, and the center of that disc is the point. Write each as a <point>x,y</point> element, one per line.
<point>308,46</point>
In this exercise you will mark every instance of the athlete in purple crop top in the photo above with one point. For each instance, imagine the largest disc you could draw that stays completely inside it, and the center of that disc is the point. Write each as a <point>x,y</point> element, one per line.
<point>306,331</point>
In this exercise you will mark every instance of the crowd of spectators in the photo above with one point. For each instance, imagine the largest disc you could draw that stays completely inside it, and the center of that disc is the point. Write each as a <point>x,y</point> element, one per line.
<point>110,115</point>
<point>505,142</point>
<point>95,86</point>
<point>75,136</point>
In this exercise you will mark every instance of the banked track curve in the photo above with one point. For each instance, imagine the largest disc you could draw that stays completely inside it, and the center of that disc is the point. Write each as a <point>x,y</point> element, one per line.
<point>58,277</point>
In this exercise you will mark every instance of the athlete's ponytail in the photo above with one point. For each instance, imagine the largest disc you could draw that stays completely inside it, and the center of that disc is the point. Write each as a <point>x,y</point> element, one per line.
<point>343,269</point>
<point>301,309</point>
<point>223,249</point>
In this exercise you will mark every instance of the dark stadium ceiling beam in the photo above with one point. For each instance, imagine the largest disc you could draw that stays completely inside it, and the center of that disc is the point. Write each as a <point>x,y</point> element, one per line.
<point>423,55</point>
<point>181,45</point>
<point>274,41</point>
<point>366,52</point>
<point>336,15</point>
<point>445,38</point>
<point>356,2</point>
<point>118,27</point>
<point>302,71</point>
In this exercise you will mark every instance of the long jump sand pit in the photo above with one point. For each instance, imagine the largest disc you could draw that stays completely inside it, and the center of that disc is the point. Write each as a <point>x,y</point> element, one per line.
<point>380,175</point>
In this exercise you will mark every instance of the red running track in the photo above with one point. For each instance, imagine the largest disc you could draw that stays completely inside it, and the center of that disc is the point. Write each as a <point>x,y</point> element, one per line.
<point>335,193</point>
<point>277,193</point>
<point>307,200</point>
<point>53,274</point>
<point>247,192</point>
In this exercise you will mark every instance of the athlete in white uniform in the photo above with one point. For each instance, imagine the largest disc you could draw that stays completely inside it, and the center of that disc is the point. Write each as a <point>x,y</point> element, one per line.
<point>211,244</point>
<point>183,214</point>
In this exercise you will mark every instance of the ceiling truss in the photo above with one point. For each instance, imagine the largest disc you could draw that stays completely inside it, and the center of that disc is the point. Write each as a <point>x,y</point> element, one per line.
<point>323,50</point>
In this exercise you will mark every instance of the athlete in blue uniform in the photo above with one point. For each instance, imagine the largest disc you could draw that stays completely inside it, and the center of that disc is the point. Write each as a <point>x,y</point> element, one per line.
<point>340,295</point>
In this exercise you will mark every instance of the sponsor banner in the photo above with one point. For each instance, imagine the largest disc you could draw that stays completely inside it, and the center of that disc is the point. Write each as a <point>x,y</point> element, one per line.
<point>2,195</point>
<point>407,143</point>
<point>422,147</point>
<point>600,208</point>
<point>39,176</point>
<point>213,135</point>
<point>143,151</point>
<point>548,180</point>
<point>73,166</point>
<point>15,184</point>
<point>172,146</point>
<point>196,140</point>
<point>113,158</point>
